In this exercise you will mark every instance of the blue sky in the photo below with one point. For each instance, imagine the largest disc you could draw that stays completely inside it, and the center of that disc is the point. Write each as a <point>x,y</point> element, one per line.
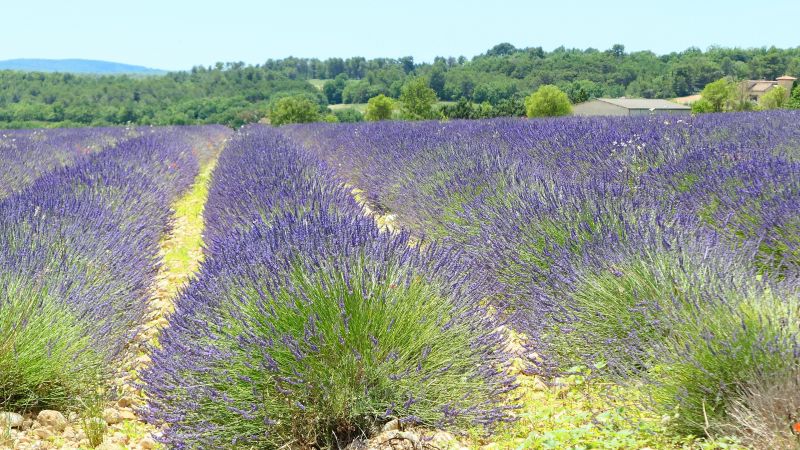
<point>172,34</point>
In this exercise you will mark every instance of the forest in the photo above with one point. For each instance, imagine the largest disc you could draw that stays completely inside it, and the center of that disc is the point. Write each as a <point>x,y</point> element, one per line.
<point>487,85</point>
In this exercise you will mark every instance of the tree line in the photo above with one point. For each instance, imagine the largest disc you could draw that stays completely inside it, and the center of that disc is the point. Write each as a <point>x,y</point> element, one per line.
<point>492,84</point>
<point>231,94</point>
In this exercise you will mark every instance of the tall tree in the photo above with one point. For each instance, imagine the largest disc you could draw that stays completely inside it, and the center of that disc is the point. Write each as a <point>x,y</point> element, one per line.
<point>418,100</point>
<point>794,100</point>
<point>720,94</point>
<point>437,79</point>
<point>333,89</point>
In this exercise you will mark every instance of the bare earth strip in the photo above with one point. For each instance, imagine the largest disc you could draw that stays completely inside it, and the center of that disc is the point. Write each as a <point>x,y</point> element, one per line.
<point>182,254</point>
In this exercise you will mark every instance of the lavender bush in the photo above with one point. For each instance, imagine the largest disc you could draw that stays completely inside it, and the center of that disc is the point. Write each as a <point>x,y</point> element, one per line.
<point>38,366</point>
<point>308,326</point>
<point>678,314</point>
<point>78,252</point>
<point>718,347</point>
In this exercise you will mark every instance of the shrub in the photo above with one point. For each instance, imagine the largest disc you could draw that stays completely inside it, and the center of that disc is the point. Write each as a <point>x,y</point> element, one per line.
<point>548,101</point>
<point>682,319</point>
<point>702,106</point>
<point>317,327</point>
<point>664,248</point>
<point>296,109</point>
<point>333,88</point>
<point>610,313</point>
<point>527,241</point>
<point>259,176</point>
<point>379,108</point>
<point>349,115</point>
<point>718,347</point>
<point>418,100</point>
<point>777,97</point>
<point>754,200</point>
<point>46,353</point>
<point>28,154</point>
<point>720,94</point>
<point>794,100</point>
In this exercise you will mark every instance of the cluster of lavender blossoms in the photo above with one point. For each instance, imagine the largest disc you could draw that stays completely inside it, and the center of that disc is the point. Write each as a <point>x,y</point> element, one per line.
<point>309,326</point>
<point>28,154</point>
<point>663,249</point>
<point>78,254</point>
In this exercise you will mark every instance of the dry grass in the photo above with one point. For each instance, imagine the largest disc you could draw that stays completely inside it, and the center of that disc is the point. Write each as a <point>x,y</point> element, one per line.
<point>764,415</point>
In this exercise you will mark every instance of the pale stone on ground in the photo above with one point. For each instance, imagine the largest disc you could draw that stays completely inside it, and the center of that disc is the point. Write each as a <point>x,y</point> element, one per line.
<point>10,420</point>
<point>111,416</point>
<point>54,419</point>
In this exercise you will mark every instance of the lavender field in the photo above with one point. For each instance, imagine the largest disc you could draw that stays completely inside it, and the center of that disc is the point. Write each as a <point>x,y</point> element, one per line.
<point>406,284</point>
<point>28,154</point>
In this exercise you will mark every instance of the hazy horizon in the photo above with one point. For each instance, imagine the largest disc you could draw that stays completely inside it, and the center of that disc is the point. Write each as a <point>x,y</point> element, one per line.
<point>179,35</point>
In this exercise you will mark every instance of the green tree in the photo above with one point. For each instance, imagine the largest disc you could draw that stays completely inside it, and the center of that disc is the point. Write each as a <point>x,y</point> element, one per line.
<point>333,89</point>
<point>794,101</point>
<point>349,115</point>
<point>511,107</point>
<point>437,79</point>
<point>720,94</point>
<point>463,109</point>
<point>295,109</point>
<point>702,106</point>
<point>379,108</point>
<point>501,49</point>
<point>418,100</point>
<point>234,93</point>
<point>618,50</point>
<point>547,101</point>
<point>774,99</point>
<point>583,90</point>
<point>407,62</point>
<point>360,91</point>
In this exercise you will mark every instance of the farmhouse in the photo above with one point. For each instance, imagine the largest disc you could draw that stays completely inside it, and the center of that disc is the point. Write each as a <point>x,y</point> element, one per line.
<point>628,107</point>
<point>753,89</point>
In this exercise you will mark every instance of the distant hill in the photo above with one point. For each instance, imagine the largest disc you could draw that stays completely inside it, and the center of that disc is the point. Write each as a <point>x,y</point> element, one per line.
<point>86,66</point>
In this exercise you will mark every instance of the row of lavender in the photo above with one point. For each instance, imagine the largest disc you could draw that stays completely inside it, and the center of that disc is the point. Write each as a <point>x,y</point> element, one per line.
<point>307,326</point>
<point>78,252</point>
<point>666,250</point>
<point>25,155</point>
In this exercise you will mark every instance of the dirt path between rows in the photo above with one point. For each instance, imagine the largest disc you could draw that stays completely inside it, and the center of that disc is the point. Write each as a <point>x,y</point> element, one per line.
<point>181,255</point>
